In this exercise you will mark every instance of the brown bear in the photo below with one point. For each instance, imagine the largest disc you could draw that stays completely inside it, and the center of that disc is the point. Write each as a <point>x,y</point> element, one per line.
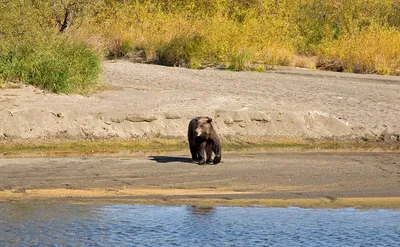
<point>203,138</point>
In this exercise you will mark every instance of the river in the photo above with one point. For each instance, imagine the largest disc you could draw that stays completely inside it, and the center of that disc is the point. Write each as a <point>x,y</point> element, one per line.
<point>139,225</point>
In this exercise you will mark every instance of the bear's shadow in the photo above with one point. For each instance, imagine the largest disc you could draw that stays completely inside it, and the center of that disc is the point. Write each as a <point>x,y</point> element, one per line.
<point>170,159</point>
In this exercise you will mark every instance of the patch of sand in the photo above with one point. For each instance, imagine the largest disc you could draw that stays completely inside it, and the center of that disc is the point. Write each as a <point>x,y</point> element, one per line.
<point>187,197</point>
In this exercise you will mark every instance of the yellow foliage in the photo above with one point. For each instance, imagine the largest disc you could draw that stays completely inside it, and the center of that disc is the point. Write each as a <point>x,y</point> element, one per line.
<point>150,26</point>
<point>373,50</point>
<point>362,34</point>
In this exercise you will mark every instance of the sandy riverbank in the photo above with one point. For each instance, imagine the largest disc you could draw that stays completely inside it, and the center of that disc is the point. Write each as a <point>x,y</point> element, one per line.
<point>327,180</point>
<point>147,102</point>
<point>144,100</point>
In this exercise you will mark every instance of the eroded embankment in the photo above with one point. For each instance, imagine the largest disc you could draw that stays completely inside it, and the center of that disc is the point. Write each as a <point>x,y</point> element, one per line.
<point>33,125</point>
<point>144,101</point>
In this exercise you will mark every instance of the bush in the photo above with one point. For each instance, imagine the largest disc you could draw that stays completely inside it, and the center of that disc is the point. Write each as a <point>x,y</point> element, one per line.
<point>120,50</point>
<point>240,61</point>
<point>182,51</point>
<point>53,62</point>
<point>194,32</point>
<point>373,50</point>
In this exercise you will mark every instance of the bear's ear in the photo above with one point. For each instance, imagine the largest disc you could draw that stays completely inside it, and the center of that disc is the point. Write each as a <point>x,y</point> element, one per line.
<point>209,120</point>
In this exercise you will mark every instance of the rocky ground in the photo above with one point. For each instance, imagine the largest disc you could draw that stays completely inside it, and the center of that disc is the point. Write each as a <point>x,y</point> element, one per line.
<point>144,100</point>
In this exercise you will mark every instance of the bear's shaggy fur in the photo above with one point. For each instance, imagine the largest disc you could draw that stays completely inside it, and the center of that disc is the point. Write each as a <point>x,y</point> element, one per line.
<point>203,138</point>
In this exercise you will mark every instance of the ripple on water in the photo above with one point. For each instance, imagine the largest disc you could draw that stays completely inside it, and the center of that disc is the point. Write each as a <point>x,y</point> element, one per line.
<point>138,225</point>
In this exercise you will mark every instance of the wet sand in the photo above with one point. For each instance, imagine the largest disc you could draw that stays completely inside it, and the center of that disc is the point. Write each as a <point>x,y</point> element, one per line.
<point>320,179</point>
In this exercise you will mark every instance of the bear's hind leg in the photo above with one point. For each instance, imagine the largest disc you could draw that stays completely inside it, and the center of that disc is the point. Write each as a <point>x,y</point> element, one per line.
<point>217,153</point>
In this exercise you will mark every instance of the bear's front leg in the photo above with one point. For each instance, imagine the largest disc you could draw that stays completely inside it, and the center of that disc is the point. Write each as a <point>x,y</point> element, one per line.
<point>200,153</point>
<point>193,151</point>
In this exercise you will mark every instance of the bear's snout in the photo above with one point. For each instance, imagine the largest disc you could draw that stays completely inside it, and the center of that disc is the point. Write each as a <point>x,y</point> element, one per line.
<point>199,131</point>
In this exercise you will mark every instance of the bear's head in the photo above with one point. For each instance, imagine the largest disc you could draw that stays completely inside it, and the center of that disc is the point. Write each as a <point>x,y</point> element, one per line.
<point>203,126</point>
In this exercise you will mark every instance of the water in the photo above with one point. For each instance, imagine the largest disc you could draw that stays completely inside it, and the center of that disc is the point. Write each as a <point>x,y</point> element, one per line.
<point>138,225</point>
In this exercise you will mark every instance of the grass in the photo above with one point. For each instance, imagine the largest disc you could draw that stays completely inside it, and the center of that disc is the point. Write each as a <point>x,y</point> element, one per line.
<point>157,145</point>
<point>91,147</point>
<point>308,62</point>
<point>182,51</point>
<point>191,33</point>
<point>373,50</point>
<point>54,63</point>
<point>361,35</point>
<point>240,61</point>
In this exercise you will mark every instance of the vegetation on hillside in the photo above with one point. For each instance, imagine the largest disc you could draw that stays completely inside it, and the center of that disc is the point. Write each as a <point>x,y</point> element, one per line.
<point>34,51</point>
<point>53,43</point>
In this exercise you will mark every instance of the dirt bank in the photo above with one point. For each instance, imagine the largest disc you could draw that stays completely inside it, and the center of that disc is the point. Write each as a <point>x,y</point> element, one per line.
<point>149,100</point>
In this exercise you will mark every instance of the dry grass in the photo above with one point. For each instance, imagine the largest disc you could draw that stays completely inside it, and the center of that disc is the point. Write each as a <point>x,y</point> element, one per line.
<point>156,145</point>
<point>363,35</point>
<point>374,50</point>
<point>308,62</point>
<point>147,27</point>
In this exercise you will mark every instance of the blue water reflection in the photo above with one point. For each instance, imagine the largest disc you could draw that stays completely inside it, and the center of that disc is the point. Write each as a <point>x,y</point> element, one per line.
<point>138,225</point>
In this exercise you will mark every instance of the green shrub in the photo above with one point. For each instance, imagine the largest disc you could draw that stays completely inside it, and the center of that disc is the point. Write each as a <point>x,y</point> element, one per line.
<point>54,63</point>
<point>260,68</point>
<point>121,50</point>
<point>182,51</point>
<point>239,61</point>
